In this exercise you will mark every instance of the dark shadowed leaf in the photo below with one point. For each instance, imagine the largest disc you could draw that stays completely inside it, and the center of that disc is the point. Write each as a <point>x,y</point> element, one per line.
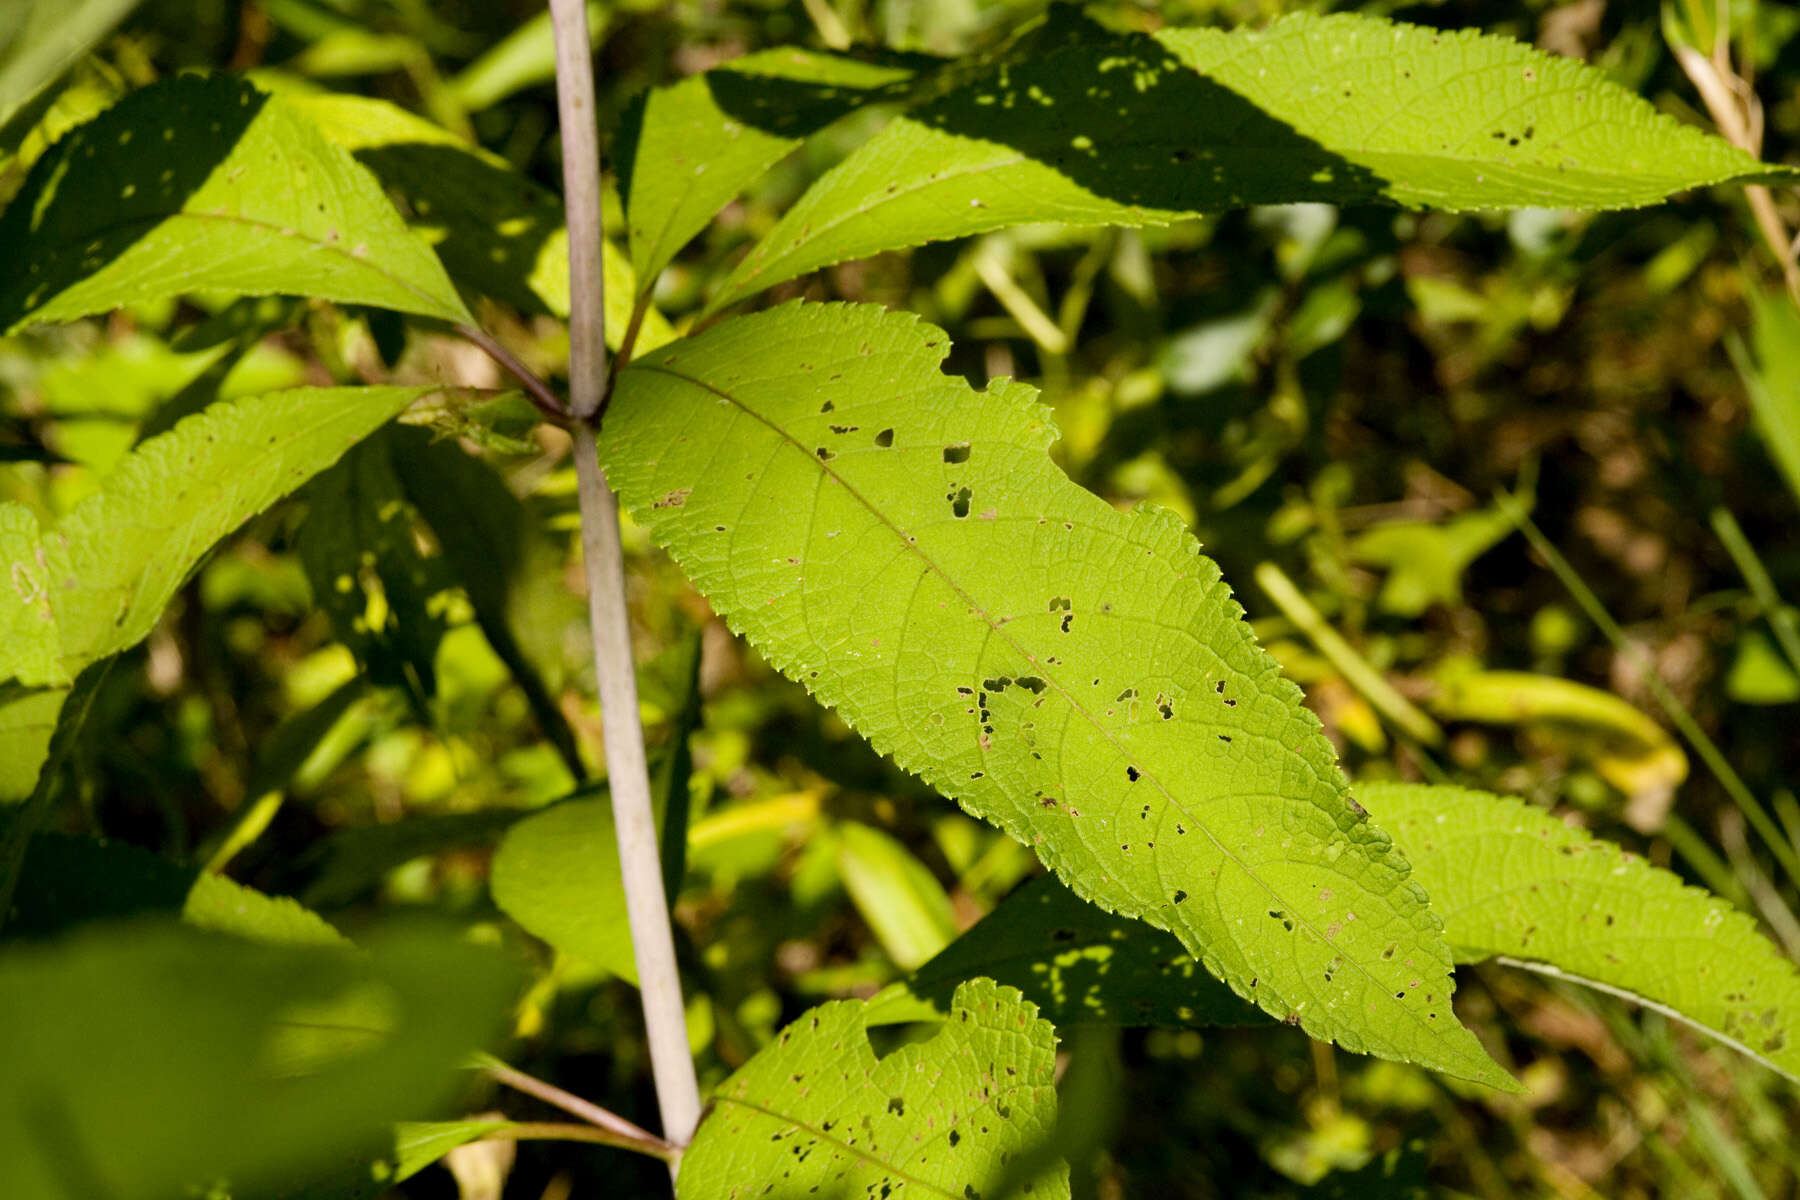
<point>205,183</point>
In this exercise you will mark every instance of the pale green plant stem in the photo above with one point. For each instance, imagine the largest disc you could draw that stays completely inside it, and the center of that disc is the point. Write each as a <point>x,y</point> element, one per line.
<point>1341,654</point>
<point>634,822</point>
<point>1780,617</point>
<point>1677,712</point>
<point>1017,301</point>
<point>536,390</point>
<point>557,1131</point>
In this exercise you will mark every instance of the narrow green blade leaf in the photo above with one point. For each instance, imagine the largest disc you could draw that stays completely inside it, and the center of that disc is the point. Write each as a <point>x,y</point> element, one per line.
<point>1134,130</point>
<point>121,553</point>
<point>557,874</point>
<point>28,647</point>
<point>686,150</point>
<point>1078,964</point>
<point>207,184</point>
<point>675,674</point>
<point>1513,880</point>
<point>896,894</point>
<point>1773,382</point>
<point>40,39</point>
<point>904,546</point>
<point>418,1144</point>
<point>816,1112</point>
<point>145,1060</point>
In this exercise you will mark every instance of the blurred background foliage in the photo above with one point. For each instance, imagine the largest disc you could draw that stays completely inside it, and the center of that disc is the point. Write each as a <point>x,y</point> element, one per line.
<point>1513,497</point>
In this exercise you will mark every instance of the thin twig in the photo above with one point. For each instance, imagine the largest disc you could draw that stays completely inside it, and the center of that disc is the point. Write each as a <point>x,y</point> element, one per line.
<point>634,821</point>
<point>536,390</point>
<point>574,1105</point>
<point>1734,109</point>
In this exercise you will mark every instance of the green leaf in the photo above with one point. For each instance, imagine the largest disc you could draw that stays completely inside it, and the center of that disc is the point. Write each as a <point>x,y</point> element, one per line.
<point>119,555</point>
<point>1759,674</point>
<point>896,894</point>
<point>224,906</point>
<point>207,184</point>
<point>67,881</point>
<point>43,38</point>
<point>1426,561</point>
<point>816,1110</point>
<point>521,59</point>
<point>28,647</point>
<point>1773,381</point>
<point>146,1059</point>
<point>483,531</point>
<point>70,881</point>
<point>1081,677</point>
<point>675,674</point>
<point>1630,750</point>
<point>1078,964</point>
<point>557,874</point>
<point>354,860</point>
<point>1135,130</point>
<point>27,721</point>
<point>498,232</point>
<point>418,1144</point>
<point>361,553</point>
<point>686,150</point>
<point>1512,880</point>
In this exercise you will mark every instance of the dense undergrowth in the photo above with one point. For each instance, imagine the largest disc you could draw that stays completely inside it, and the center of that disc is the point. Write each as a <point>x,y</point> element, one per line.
<point>1435,455</point>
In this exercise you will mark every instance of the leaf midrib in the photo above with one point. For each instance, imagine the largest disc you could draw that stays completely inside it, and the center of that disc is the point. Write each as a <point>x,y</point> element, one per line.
<point>996,627</point>
<point>857,1152</point>
<point>1552,971</point>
